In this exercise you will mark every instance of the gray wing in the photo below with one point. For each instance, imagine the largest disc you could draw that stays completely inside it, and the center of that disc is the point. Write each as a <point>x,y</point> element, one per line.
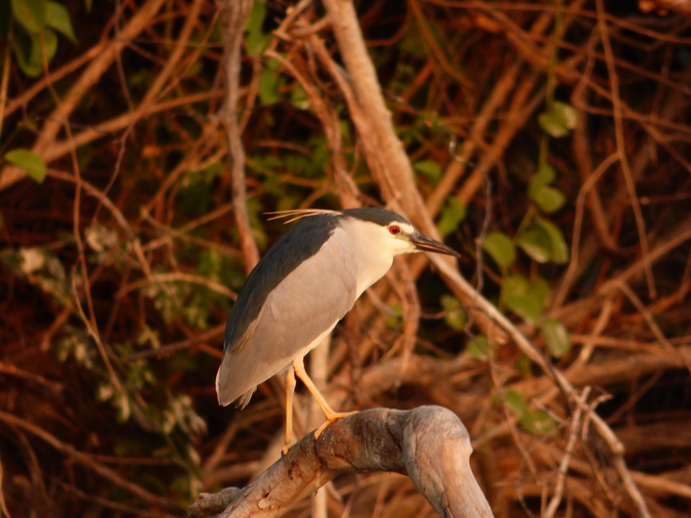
<point>304,306</point>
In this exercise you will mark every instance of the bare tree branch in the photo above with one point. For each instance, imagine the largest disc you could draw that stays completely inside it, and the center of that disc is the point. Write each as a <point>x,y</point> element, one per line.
<point>234,14</point>
<point>139,22</point>
<point>384,152</point>
<point>430,444</point>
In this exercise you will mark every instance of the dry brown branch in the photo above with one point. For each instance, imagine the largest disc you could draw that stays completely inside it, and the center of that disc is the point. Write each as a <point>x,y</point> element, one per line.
<point>664,6</point>
<point>107,128</point>
<point>576,423</point>
<point>166,350</point>
<point>176,277</point>
<point>87,461</point>
<point>234,14</point>
<point>583,195</point>
<point>139,22</point>
<point>346,187</point>
<point>385,155</point>
<point>582,157</point>
<point>480,123</point>
<point>26,96</point>
<point>615,446</point>
<point>621,144</point>
<point>429,444</point>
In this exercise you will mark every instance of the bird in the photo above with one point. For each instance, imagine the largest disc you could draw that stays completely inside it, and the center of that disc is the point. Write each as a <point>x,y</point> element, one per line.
<point>300,289</point>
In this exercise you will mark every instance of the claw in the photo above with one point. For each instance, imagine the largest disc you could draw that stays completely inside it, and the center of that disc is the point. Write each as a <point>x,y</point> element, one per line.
<point>288,447</point>
<point>335,416</point>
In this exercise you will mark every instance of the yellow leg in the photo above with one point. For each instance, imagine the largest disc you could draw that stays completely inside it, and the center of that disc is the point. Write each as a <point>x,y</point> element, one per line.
<point>330,413</point>
<point>290,391</point>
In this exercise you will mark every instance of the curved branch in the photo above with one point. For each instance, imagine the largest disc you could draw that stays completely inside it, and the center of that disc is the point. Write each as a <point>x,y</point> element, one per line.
<point>430,444</point>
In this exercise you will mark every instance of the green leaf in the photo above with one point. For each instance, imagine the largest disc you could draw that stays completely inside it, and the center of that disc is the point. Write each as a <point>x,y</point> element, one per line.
<point>452,214</point>
<point>478,347</point>
<point>539,288</point>
<point>517,296</point>
<point>515,285</point>
<point>550,124</point>
<point>269,83</point>
<point>535,241</point>
<point>30,162</point>
<point>544,175</point>
<point>568,114</point>
<point>50,46</point>
<point>28,50</point>
<point>524,366</point>
<point>256,17</point>
<point>556,337</point>
<point>559,120</point>
<point>515,402</point>
<point>298,98</point>
<point>256,41</point>
<point>454,314</point>
<point>549,199</point>
<point>429,168</point>
<point>525,298</point>
<point>58,18</point>
<point>537,422</point>
<point>393,317</point>
<point>500,247</point>
<point>31,14</point>
<point>22,46</point>
<point>559,250</point>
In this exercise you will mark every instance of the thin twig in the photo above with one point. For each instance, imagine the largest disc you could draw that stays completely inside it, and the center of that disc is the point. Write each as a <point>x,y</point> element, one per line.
<point>88,462</point>
<point>564,465</point>
<point>621,148</point>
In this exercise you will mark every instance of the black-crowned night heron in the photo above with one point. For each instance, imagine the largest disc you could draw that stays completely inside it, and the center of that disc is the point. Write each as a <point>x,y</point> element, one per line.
<point>299,291</point>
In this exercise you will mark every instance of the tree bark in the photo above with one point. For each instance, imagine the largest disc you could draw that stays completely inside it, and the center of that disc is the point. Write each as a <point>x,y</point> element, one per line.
<point>430,444</point>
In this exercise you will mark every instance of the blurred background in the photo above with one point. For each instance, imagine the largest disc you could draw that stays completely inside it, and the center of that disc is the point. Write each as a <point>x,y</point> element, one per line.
<point>550,142</point>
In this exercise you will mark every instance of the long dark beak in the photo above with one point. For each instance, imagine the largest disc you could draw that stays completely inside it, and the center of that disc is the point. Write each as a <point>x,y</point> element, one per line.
<point>427,244</point>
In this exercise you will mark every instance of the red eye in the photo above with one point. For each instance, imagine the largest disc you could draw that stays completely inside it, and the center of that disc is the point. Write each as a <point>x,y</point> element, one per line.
<point>394,229</point>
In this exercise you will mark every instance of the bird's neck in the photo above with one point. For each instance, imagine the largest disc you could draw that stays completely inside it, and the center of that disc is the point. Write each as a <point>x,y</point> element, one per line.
<point>370,260</point>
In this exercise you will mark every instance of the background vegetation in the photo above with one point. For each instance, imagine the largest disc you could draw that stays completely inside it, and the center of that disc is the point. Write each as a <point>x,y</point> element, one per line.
<point>550,142</point>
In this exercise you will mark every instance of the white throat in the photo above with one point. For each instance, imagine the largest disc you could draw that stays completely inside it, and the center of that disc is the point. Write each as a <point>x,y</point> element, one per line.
<point>373,249</point>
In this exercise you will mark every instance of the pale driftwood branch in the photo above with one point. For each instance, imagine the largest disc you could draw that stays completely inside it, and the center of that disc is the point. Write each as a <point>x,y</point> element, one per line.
<point>430,444</point>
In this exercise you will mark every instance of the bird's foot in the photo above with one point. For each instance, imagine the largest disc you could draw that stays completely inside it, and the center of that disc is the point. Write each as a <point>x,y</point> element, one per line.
<point>332,418</point>
<point>287,448</point>
<point>290,441</point>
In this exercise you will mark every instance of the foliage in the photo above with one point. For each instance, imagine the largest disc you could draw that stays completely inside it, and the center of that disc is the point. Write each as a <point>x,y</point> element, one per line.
<point>32,31</point>
<point>29,161</point>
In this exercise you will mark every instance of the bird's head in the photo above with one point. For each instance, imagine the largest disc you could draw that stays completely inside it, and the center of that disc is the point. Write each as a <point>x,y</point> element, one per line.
<point>388,231</point>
